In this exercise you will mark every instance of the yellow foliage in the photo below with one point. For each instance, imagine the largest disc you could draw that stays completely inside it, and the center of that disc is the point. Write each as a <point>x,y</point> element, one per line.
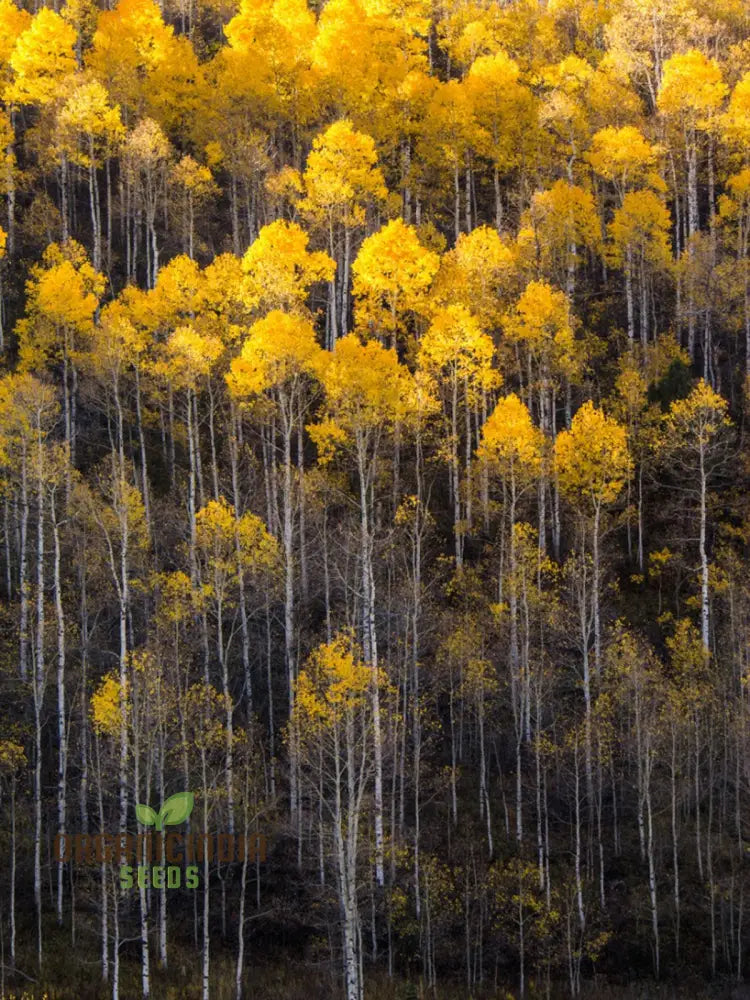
<point>41,59</point>
<point>175,298</point>
<point>145,69</point>
<point>191,355</point>
<point>279,349</point>
<point>479,272</point>
<point>591,459</point>
<point>335,680</point>
<point>696,421</point>
<point>365,52</point>
<point>503,109</point>
<point>455,346</point>
<point>147,151</point>
<point>510,441</point>
<point>220,533</point>
<point>13,22</point>
<point>107,703</point>
<point>624,157</point>
<point>12,757</point>
<point>366,387</point>
<point>90,125</point>
<point>269,53</point>
<point>66,288</point>
<point>541,321</point>
<point>327,436</point>
<point>641,227</point>
<point>735,124</point>
<point>28,406</point>
<point>195,179</point>
<point>690,661</point>
<point>691,87</point>
<point>564,219</point>
<point>62,296</point>
<point>279,269</point>
<point>391,276</point>
<point>218,291</point>
<point>342,176</point>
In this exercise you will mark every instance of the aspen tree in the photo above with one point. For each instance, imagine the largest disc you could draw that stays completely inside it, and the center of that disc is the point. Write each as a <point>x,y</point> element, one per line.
<point>197,187</point>
<point>91,132</point>
<point>593,464</point>
<point>392,275</point>
<point>279,361</point>
<point>696,443</point>
<point>149,72</point>
<point>342,181</point>
<point>63,294</point>
<point>458,355</point>
<point>367,394</point>
<point>13,22</point>
<point>480,273</point>
<point>634,674</point>
<point>504,111</point>
<point>690,94</point>
<point>335,718</point>
<point>279,269</point>
<point>12,760</point>
<point>450,134</point>
<point>29,410</point>
<point>229,547</point>
<point>204,708</point>
<point>564,222</point>
<point>639,232</point>
<point>513,448</point>
<point>41,59</point>
<point>147,155</point>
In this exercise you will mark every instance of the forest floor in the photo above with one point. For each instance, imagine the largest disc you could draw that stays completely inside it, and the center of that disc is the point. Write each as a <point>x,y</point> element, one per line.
<point>73,973</point>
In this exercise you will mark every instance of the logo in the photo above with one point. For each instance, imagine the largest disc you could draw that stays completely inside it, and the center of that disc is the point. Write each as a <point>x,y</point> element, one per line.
<point>175,810</point>
<point>160,859</point>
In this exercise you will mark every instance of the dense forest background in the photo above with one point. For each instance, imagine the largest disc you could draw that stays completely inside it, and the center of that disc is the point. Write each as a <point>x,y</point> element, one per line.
<point>372,441</point>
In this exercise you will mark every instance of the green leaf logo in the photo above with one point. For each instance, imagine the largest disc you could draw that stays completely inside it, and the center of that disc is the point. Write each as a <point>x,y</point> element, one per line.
<point>175,810</point>
<point>145,815</point>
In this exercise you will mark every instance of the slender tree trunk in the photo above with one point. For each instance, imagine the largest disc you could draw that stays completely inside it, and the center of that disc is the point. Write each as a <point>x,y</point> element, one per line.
<point>62,742</point>
<point>371,647</point>
<point>703,555</point>
<point>38,695</point>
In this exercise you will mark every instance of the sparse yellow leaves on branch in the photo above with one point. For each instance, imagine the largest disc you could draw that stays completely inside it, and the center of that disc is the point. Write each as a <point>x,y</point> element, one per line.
<point>696,421</point>
<point>230,543</point>
<point>107,704</point>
